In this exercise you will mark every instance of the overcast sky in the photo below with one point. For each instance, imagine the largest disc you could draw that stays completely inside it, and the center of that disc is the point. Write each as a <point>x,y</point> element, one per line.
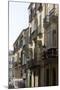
<point>18,20</point>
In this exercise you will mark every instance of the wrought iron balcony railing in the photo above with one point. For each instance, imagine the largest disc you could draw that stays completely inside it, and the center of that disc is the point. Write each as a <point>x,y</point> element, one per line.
<point>33,63</point>
<point>49,54</point>
<point>53,52</point>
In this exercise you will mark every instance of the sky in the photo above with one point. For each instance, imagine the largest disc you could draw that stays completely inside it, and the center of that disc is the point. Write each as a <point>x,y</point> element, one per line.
<point>18,20</point>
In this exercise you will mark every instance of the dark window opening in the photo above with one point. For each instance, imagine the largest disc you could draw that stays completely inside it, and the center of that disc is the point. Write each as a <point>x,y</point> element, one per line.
<point>54,77</point>
<point>34,78</point>
<point>30,79</point>
<point>47,77</point>
<point>39,78</point>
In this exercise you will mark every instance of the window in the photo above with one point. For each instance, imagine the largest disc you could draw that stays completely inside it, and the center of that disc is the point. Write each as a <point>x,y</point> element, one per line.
<point>33,28</point>
<point>30,79</point>
<point>54,38</point>
<point>39,77</point>
<point>47,77</point>
<point>46,9</point>
<point>47,18</point>
<point>34,78</point>
<point>54,76</point>
<point>30,34</point>
<point>39,22</point>
<point>25,59</point>
<point>36,23</point>
<point>30,15</point>
<point>21,57</point>
<point>49,37</point>
<point>30,53</point>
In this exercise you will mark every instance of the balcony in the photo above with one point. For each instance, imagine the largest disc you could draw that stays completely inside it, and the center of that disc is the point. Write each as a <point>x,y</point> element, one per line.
<point>53,52</point>
<point>33,63</point>
<point>50,55</point>
<point>51,18</point>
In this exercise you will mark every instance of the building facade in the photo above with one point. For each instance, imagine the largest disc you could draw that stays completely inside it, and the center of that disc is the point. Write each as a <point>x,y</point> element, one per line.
<point>43,26</point>
<point>36,48</point>
<point>20,56</point>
